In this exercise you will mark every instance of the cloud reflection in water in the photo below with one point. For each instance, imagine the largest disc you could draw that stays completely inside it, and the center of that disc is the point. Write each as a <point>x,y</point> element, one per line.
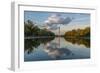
<point>56,52</point>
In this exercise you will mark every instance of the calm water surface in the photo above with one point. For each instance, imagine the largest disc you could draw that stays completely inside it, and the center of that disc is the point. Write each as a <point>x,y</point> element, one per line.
<point>58,48</point>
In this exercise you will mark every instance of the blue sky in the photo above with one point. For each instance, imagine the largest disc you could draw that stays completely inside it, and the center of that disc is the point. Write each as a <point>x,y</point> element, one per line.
<point>79,20</point>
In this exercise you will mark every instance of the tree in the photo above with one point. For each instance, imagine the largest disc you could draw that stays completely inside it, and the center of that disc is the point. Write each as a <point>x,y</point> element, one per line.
<point>78,33</point>
<point>30,29</point>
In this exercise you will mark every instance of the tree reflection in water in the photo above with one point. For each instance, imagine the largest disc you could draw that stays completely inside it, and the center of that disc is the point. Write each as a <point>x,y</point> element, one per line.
<point>79,41</point>
<point>52,48</point>
<point>32,44</point>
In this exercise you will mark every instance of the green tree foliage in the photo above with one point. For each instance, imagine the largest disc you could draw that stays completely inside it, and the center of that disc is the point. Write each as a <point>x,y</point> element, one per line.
<point>78,33</point>
<point>30,29</point>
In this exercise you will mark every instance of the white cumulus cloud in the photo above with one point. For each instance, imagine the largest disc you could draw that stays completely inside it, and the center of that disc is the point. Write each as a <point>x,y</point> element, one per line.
<point>57,19</point>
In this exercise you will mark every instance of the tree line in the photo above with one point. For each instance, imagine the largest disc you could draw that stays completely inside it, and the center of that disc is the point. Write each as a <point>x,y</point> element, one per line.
<point>30,29</point>
<point>78,33</point>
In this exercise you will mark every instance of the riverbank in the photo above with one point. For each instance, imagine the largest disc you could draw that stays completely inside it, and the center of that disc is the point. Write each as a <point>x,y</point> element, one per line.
<point>39,37</point>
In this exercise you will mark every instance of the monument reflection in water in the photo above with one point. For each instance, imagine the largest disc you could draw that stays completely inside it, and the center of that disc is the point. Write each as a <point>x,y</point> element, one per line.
<point>58,48</point>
